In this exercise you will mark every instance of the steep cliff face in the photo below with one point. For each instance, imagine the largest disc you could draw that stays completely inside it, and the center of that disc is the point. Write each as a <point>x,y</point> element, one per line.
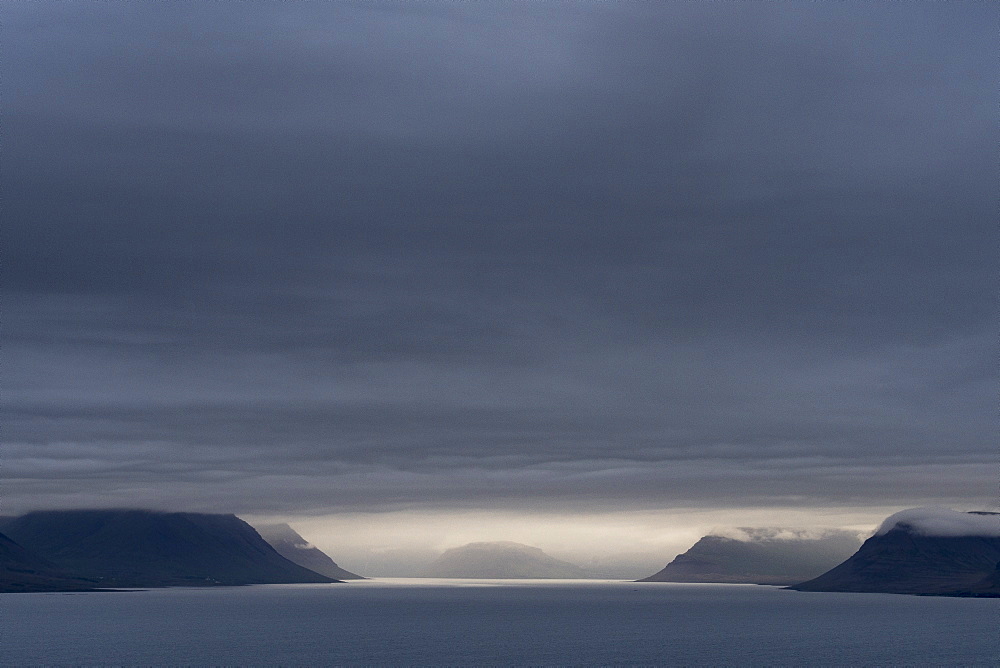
<point>289,544</point>
<point>138,548</point>
<point>935,552</point>
<point>501,560</point>
<point>758,558</point>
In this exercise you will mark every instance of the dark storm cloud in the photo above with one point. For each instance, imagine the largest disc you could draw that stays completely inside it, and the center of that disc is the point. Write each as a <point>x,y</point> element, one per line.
<point>277,256</point>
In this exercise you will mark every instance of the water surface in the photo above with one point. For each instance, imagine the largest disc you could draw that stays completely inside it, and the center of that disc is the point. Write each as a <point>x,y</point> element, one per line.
<point>496,622</point>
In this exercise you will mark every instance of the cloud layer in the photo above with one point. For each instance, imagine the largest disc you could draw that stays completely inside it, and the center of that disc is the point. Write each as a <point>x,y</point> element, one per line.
<point>315,257</point>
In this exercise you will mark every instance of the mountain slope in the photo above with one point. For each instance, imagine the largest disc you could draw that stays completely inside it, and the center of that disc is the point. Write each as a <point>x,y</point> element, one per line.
<point>289,544</point>
<point>501,560</point>
<point>760,558</point>
<point>24,571</point>
<point>922,551</point>
<point>139,548</point>
<point>988,586</point>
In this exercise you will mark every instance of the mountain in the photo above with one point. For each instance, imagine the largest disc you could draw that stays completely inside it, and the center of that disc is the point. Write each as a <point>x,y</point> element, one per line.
<point>141,548</point>
<point>297,549</point>
<point>929,551</point>
<point>759,556</point>
<point>989,584</point>
<point>501,560</point>
<point>24,571</point>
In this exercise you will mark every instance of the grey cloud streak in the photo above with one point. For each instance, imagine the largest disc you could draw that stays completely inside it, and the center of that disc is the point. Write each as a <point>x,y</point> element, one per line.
<point>325,256</point>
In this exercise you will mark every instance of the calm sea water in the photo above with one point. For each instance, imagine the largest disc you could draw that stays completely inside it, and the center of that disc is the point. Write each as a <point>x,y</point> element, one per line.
<point>496,622</point>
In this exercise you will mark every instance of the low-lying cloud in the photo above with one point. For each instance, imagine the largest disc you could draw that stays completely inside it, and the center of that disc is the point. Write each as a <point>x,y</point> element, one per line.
<point>938,521</point>
<point>766,534</point>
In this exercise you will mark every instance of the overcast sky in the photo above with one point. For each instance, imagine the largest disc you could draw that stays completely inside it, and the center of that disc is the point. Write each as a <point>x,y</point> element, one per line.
<point>307,259</point>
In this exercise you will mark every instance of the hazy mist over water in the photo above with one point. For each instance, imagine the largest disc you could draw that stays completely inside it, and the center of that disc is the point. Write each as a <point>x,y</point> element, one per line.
<point>470,622</point>
<point>621,545</point>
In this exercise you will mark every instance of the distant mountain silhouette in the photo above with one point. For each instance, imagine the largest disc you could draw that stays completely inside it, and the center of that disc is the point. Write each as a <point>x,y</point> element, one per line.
<point>762,558</point>
<point>501,560</point>
<point>921,555</point>
<point>25,571</point>
<point>289,544</point>
<point>140,548</point>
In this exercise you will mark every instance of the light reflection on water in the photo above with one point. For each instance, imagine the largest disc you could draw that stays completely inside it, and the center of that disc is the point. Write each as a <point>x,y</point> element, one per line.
<point>484,582</point>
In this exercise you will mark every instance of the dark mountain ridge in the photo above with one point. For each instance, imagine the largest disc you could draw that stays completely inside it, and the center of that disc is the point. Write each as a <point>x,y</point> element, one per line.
<point>289,544</point>
<point>761,558</point>
<point>142,548</point>
<point>24,571</point>
<point>936,552</point>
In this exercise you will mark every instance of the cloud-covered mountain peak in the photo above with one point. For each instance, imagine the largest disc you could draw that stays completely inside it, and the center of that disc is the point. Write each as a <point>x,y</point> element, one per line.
<point>940,521</point>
